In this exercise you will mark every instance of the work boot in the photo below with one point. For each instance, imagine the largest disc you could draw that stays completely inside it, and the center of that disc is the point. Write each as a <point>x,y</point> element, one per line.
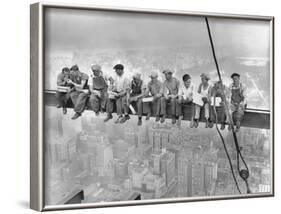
<point>237,126</point>
<point>157,118</point>
<point>207,123</point>
<point>179,121</point>
<point>222,126</point>
<point>196,123</point>
<point>163,119</point>
<point>147,117</point>
<point>118,119</point>
<point>108,117</point>
<point>75,116</point>
<point>211,124</point>
<point>139,121</point>
<point>125,118</point>
<point>174,120</point>
<point>191,125</point>
<point>64,110</point>
<point>229,128</point>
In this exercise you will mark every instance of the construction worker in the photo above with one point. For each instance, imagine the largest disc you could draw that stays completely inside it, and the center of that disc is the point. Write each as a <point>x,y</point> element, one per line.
<point>80,92</point>
<point>154,89</point>
<point>135,95</point>
<point>204,90</point>
<point>185,96</point>
<point>118,95</point>
<point>238,100</point>
<point>63,97</point>
<point>171,89</point>
<point>98,90</point>
<point>221,91</point>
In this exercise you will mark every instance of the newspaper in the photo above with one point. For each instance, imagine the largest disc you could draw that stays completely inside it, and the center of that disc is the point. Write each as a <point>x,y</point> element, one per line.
<point>197,99</point>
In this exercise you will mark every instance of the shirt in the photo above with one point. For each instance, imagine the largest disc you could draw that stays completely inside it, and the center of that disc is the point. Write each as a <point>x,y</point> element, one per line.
<point>171,86</point>
<point>78,77</point>
<point>61,79</point>
<point>187,93</point>
<point>155,87</point>
<point>204,92</point>
<point>136,89</point>
<point>242,92</point>
<point>99,83</point>
<point>121,83</point>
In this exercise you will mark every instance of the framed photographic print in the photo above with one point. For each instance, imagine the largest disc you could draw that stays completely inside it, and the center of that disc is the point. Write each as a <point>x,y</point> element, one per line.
<point>139,106</point>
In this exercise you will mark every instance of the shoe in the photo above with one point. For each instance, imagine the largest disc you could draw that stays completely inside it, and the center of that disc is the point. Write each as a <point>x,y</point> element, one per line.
<point>157,119</point>
<point>174,120</point>
<point>147,117</point>
<point>191,125</point>
<point>179,121</point>
<point>124,119</point>
<point>229,128</point>
<point>75,116</point>
<point>64,110</point>
<point>222,126</point>
<point>237,126</point>
<point>196,123</point>
<point>139,122</point>
<point>211,124</point>
<point>163,119</point>
<point>109,117</point>
<point>118,119</point>
<point>207,124</point>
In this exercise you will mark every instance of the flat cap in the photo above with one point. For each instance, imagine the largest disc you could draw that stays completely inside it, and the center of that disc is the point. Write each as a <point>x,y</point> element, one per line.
<point>74,68</point>
<point>168,71</point>
<point>96,67</point>
<point>205,76</point>
<point>153,74</point>
<point>65,69</point>
<point>119,66</point>
<point>235,75</point>
<point>137,75</point>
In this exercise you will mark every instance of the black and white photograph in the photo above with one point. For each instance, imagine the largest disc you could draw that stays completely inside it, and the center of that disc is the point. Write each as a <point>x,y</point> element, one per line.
<point>155,107</point>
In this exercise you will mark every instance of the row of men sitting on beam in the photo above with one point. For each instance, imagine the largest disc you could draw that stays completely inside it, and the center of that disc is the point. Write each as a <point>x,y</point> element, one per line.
<point>104,93</point>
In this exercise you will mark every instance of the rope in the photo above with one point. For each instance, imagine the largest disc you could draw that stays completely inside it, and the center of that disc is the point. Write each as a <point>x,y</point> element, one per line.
<point>244,173</point>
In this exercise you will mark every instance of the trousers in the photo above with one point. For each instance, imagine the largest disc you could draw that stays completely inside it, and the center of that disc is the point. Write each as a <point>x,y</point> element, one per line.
<point>198,108</point>
<point>119,102</point>
<point>62,98</point>
<point>180,105</point>
<point>97,103</point>
<point>173,102</point>
<point>79,100</point>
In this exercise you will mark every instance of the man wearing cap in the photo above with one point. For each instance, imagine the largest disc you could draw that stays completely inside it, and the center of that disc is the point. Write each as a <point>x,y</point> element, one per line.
<point>154,89</point>
<point>135,96</point>
<point>221,91</point>
<point>171,89</point>
<point>204,90</point>
<point>185,96</point>
<point>80,92</point>
<point>98,90</point>
<point>118,96</point>
<point>63,97</point>
<point>238,100</point>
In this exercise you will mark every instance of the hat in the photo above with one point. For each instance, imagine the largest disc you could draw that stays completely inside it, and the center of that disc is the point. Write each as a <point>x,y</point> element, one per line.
<point>74,68</point>
<point>137,75</point>
<point>95,67</point>
<point>153,74</point>
<point>235,74</point>
<point>186,77</point>
<point>166,71</point>
<point>119,66</point>
<point>205,76</point>
<point>65,69</point>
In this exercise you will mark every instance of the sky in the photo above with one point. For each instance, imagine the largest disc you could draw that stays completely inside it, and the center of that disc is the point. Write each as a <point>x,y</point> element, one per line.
<point>83,29</point>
